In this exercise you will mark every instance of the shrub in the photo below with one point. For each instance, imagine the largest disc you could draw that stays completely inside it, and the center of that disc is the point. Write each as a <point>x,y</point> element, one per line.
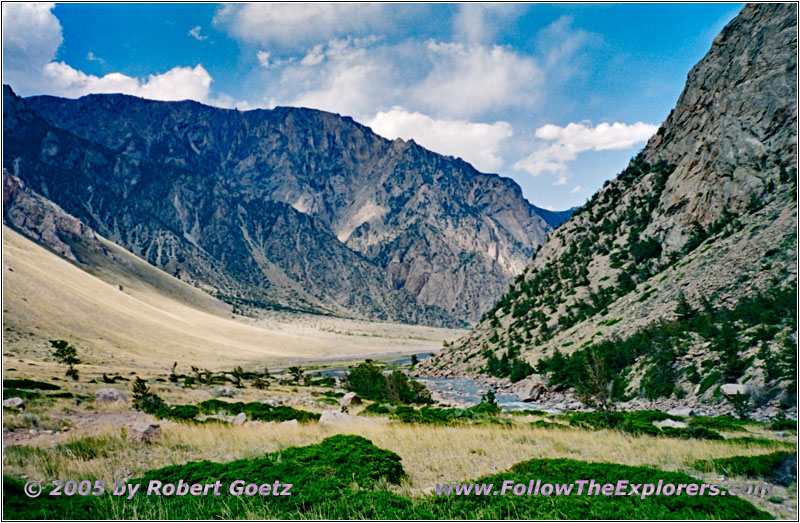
<point>367,380</point>
<point>727,423</point>
<point>777,467</point>
<point>25,383</point>
<point>179,412</point>
<point>784,424</point>
<point>144,399</point>
<point>378,409</point>
<point>21,393</point>
<point>558,471</point>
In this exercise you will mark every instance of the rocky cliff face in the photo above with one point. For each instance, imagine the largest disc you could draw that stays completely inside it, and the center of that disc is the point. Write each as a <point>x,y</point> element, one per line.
<point>701,224</point>
<point>287,208</point>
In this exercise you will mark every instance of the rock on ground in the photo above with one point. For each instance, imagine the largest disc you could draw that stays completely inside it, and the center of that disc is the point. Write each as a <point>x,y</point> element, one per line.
<point>14,403</point>
<point>224,392</point>
<point>670,423</point>
<point>334,417</point>
<point>144,433</point>
<point>732,389</point>
<point>351,398</point>
<point>110,395</point>
<point>239,419</point>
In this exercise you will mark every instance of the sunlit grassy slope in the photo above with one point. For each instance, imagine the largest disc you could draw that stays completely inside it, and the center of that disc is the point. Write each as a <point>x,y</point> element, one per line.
<point>156,319</point>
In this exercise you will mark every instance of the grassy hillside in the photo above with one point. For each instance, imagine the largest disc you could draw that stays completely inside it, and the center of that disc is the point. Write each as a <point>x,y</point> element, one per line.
<point>156,319</point>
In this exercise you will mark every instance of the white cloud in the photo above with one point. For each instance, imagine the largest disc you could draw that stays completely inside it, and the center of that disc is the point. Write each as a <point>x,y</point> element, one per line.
<point>297,23</point>
<point>475,22</point>
<point>477,143</point>
<point>31,38</point>
<point>263,59</point>
<point>92,58</point>
<point>469,79</point>
<point>347,89</point>
<point>194,32</point>
<point>179,83</point>
<point>576,138</point>
<point>576,189</point>
<point>314,57</point>
<point>561,180</point>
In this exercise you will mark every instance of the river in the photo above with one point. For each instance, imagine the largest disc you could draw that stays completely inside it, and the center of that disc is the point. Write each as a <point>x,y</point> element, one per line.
<point>460,392</point>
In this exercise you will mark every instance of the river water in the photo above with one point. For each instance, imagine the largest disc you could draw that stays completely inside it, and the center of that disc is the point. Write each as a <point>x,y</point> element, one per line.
<point>461,392</point>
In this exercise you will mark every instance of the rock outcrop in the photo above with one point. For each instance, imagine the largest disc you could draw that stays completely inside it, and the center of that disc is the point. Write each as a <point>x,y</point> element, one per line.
<point>700,222</point>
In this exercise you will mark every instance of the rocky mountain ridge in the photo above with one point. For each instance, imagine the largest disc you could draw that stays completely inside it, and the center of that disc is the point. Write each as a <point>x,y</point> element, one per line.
<point>652,287</point>
<point>287,208</point>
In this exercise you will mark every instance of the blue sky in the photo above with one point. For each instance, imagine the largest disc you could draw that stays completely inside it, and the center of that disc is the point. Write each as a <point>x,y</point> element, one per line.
<point>557,96</point>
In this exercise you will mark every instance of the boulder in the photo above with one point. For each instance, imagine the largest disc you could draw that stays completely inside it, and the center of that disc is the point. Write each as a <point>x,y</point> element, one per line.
<point>351,398</point>
<point>531,388</point>
<point>224,392</point>
<point>670,423</point>
<point>684,412</point>
<point>14,403</point>
<point>110,395</point>
<point>239,419</point>
<point>289,423</point>
<point>732,389</point>
<point>144,433</point>
<point>334,417</point>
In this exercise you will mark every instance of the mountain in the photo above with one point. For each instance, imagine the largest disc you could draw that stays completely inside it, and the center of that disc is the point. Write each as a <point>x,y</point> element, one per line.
<point>281,209</point>
<point>680,275</point>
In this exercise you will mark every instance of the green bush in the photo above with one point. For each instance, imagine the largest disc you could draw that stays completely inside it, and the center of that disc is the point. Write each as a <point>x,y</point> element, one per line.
<point>777,467</point>
<point>784,424</point>
<point>179,412</point>
<point>256,411</point>
<point>21,393</point>
<point>378,409</point>
<point>557,471</point>
<point>337,479</point>
<point>368,381</point>
<point>25,383</point>
<point>727,423</point>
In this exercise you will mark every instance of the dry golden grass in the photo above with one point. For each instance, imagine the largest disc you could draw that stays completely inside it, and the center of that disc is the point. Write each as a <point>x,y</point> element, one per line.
<point>431,454</point>
<point>148,326</point>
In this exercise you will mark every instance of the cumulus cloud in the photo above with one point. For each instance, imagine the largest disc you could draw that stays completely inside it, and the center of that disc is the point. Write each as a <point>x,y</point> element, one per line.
<point>469,79</point>
<point>31,38</point>
<point>263,59</point>
<point>296,23</point>
<point>194,32</point>
<point>576,189</point>
<point>575,138</point>
<point>477,143</point>
<point>179,83</point>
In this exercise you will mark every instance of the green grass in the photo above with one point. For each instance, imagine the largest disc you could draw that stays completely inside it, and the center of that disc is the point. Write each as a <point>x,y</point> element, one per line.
<point>347,477</point>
